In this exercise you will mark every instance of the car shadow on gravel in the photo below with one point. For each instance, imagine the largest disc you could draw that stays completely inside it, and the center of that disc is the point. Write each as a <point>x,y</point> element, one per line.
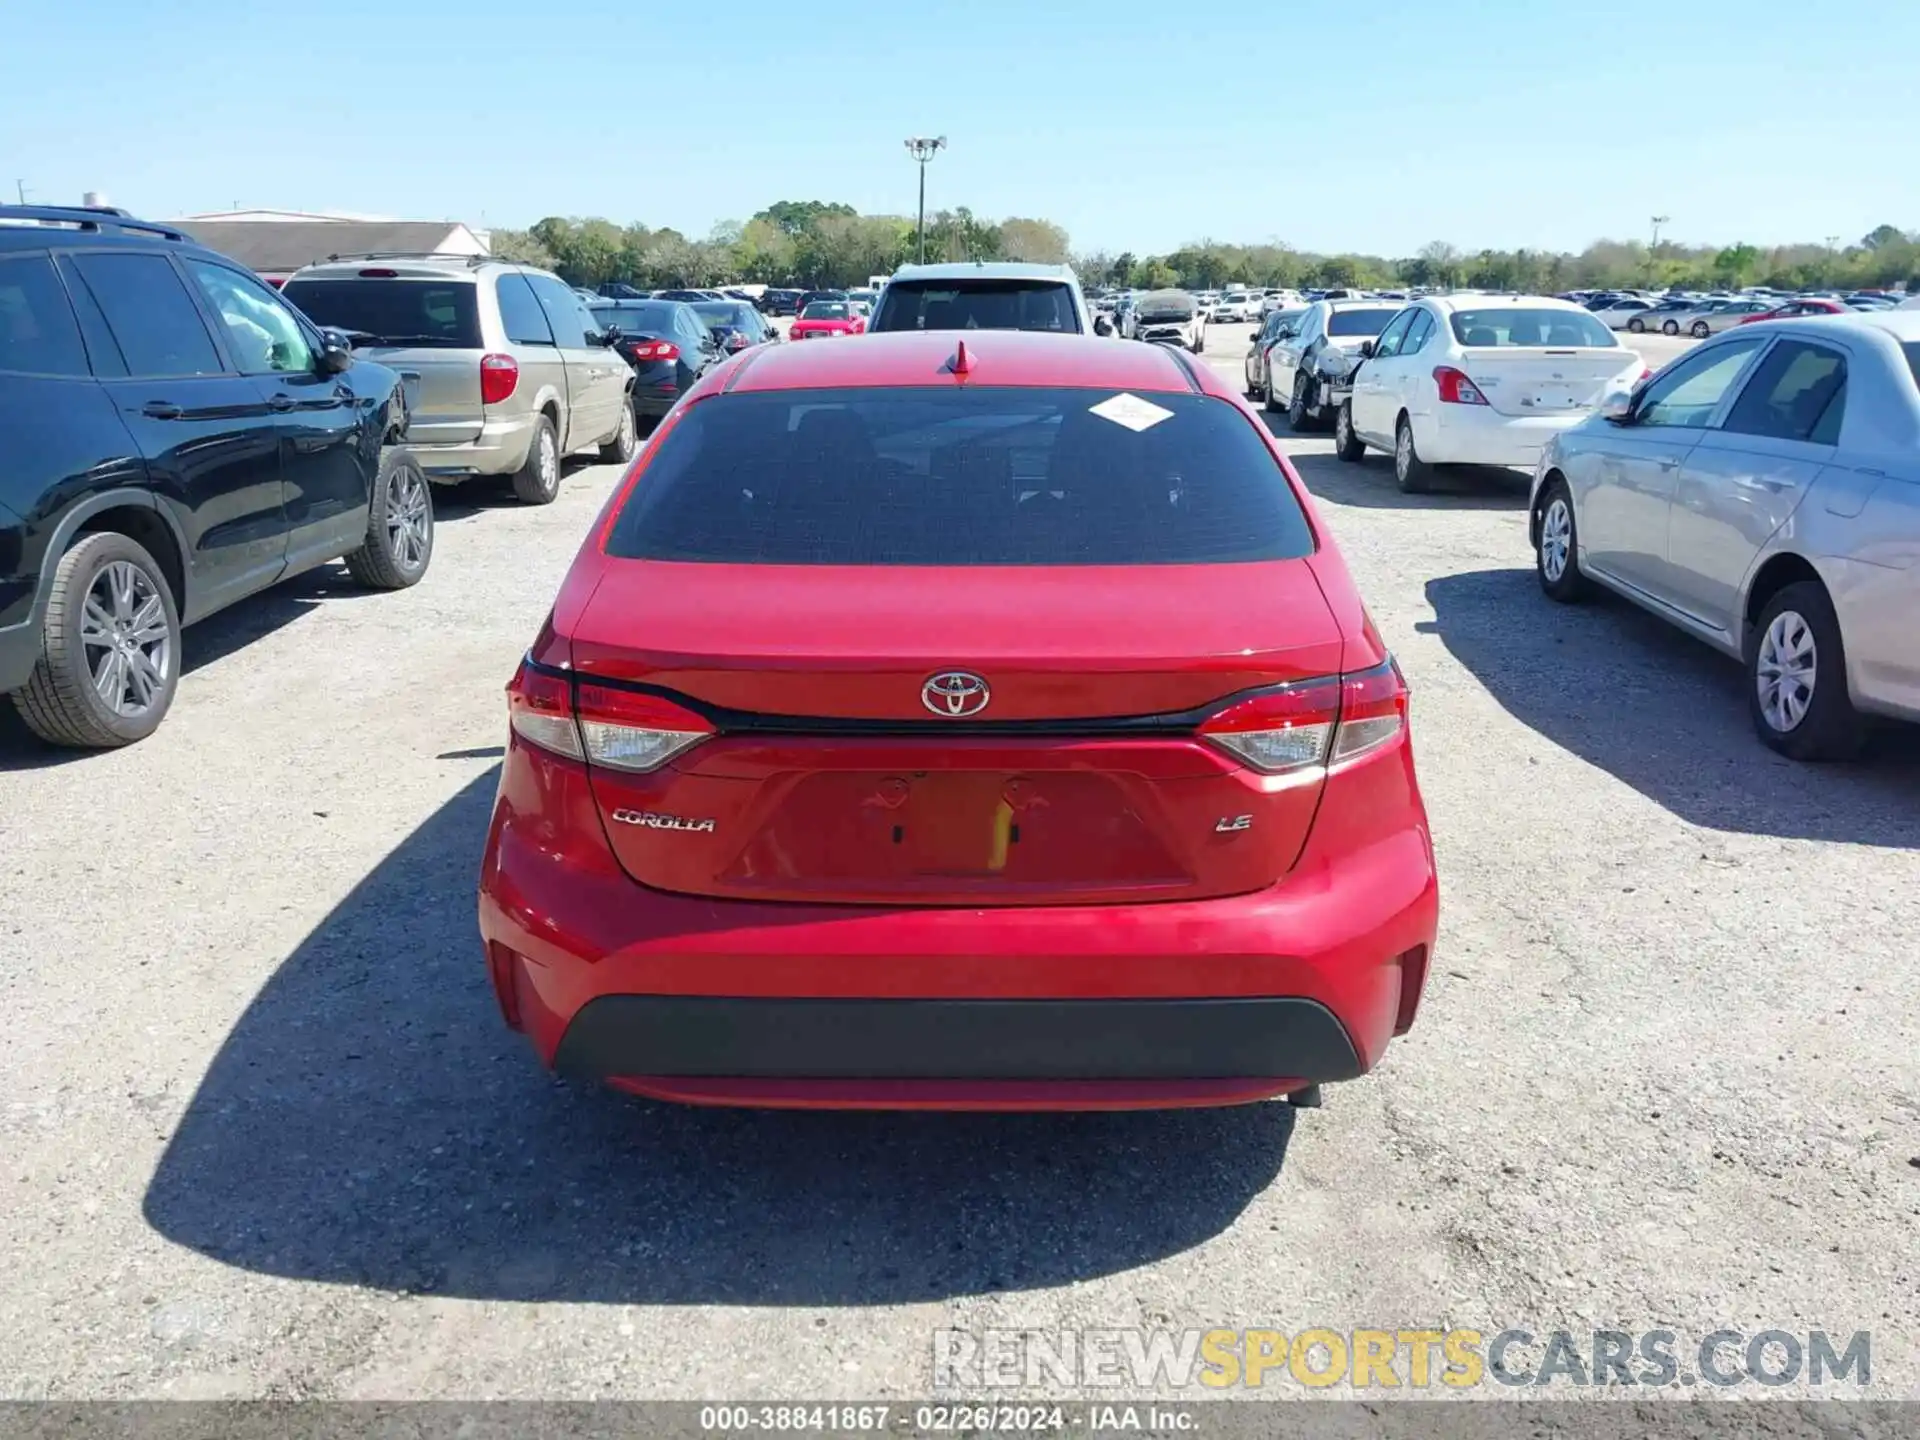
<point>370,1121</point>
<point>212,639</point>
<point>1665,714</point>
<point>1369,484</point>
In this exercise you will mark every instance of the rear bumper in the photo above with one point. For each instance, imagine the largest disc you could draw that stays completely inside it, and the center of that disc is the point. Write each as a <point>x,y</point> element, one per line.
<point>1486,437</point>
<point>766,1003</point>
<point>500,449</point>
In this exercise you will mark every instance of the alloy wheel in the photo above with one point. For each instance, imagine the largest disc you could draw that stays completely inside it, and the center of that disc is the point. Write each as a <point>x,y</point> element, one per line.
<point>1403,452</point>
<point>1556,539</point>
<point>126,638</point>
<point>1788,666</point>
<point>407,516</point>
<point>549,461</point>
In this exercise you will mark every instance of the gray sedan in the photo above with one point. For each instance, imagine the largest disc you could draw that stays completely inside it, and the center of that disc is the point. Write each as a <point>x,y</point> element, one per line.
<point>1762,492</point>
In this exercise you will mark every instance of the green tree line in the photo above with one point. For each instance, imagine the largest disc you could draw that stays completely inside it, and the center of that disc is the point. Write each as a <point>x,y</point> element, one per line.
<point>793,242</point>
<point>812,242</point>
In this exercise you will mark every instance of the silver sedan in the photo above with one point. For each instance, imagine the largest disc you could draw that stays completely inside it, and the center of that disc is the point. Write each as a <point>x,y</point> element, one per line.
<point>1762,492</point>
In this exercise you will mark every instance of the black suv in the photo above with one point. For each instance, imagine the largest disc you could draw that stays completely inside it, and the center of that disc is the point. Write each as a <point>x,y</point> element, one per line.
<point>173,437</point>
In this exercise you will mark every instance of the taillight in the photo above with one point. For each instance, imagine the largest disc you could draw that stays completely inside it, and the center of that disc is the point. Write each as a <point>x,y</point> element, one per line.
<point>1646,373</point>
<point>1456,388</point>
<point>624,730</point>
<point>656,350</point>
<point>540,711</point>
<point>1314,723</point>
<point>619,729</point>
<point>498,376</point>
<point>379,274</point>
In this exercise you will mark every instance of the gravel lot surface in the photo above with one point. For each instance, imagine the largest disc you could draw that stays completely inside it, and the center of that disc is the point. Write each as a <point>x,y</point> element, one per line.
<point>264,1133</point>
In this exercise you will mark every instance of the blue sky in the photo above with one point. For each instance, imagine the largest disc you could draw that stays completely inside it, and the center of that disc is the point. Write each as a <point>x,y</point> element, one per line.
<point>1138,126</point>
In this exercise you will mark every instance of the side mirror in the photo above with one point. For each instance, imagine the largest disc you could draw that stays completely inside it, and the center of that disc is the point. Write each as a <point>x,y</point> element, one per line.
<point>1617,406</point>
<point>1102,325</point>
<point>336,353</point>
<point>1366,349</point>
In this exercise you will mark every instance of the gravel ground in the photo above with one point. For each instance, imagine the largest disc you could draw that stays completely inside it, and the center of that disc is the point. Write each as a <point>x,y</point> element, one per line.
<point>265,1134</point>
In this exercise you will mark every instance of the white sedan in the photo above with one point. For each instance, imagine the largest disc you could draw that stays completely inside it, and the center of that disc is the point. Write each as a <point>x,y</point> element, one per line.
<point>1478,380</point>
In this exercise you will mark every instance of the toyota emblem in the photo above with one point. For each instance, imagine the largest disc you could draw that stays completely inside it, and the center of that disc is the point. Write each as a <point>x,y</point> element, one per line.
<point>955,694</point>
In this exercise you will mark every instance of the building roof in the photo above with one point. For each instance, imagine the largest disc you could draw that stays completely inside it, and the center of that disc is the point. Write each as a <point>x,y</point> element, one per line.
<point>277,247</point>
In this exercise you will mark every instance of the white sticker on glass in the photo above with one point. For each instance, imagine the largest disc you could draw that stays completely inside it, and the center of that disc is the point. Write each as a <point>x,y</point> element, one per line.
<point>1131,411</point>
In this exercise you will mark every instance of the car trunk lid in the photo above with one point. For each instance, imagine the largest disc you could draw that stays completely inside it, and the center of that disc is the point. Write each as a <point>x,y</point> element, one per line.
<point>1523,380</point>
<point>840,771</point>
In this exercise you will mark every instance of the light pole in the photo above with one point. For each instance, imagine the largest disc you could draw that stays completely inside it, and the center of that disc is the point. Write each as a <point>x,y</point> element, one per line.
<point>1658,221</point>
<point>923,148</point>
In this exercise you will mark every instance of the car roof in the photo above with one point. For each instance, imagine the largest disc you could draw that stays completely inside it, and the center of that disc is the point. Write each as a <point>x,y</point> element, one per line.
<point>995,357</point>
<point>1902,325</point>
<point>412,267</point>
<point>984,270</point>
<point>1507,302</point>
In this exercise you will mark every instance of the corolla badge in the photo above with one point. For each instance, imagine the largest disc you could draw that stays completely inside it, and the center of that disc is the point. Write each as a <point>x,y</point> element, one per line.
<point>955,694</point>
<point>652,820</point>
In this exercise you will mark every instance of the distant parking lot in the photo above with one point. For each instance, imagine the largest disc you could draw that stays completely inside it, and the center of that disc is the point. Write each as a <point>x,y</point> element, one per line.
<point>267,1135</point>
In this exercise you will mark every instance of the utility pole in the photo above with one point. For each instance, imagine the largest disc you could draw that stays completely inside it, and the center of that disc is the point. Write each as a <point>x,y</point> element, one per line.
<point>923,148</point>
<point>1652,249</point>
<point>21,187</point>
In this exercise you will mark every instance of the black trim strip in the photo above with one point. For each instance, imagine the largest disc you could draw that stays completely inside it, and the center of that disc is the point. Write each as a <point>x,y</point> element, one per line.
<point>1186,365</point>
<point>749,722</point>
<point>1280,1037</point>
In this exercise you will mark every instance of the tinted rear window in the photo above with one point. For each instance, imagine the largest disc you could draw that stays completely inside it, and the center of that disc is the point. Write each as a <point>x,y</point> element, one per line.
<point>394,312</point>
<point>1359,322</point>
<point>639,317</point>
<point>1558,329</point>
<point>946,476</point>
<point>977,305</point>
<point>724,312</point>
<point>826,310</point>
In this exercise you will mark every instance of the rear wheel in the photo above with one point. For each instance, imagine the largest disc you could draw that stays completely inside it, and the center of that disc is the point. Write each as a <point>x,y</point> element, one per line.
<point>1556,556</point>
<point>1701,330</point>
<point>1797,678</point>
<point>399,527</point>
<point>109,648</point>
<point>1414,475</point>
<point>1272,398</point>
<point>626,440</point>
<point>1297,407</point>
<point>538,481</point>
<point>1670,327</point>
<point>1637,325</point>
<point>1347,445</point>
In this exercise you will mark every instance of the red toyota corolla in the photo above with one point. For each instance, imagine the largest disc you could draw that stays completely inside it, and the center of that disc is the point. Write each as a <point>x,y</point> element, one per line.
<point>988,724</point>
<point>826,318</point>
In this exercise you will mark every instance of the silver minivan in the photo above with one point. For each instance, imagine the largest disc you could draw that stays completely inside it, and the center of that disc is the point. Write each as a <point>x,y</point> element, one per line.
<point>505,368</point>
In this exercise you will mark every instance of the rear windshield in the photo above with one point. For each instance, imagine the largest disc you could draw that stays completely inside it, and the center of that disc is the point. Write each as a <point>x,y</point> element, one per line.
<point>977,305</point>
<point>637,317</point>
<point>394,312</point>
<point>1359,322</point>
<point>1557,329</point>
<point>722,312</point>
<point>949,476</point>
<point>826,310</point>
<point>1166,307</point>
